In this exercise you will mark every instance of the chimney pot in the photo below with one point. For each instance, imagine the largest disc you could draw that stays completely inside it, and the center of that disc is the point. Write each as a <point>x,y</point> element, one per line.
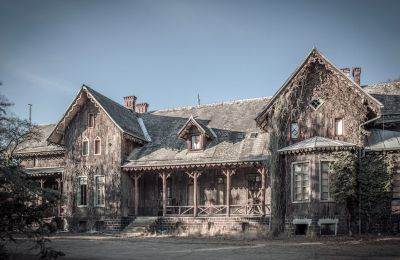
<point>142,107</point>
<point>129,102</point>
<point>357,75</point>
<point>346,71</point>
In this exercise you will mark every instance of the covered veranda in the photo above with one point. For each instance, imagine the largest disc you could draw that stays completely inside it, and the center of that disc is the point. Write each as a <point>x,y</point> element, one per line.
<point>198,190</point>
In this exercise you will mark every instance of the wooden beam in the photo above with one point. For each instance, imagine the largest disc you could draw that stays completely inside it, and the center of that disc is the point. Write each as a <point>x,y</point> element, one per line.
<point>136,178</point>
<point>262,171</point>
<point>164,176</point>
<point>228,173</point>
<point>194,175</point>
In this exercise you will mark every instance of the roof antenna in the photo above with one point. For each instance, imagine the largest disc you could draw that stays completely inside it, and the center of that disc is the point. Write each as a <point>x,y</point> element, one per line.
<point>30,114</point>
<point>198,99</point>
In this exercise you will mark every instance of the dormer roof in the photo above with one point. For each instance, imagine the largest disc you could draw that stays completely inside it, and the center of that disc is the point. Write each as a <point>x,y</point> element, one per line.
<point>202,128</point>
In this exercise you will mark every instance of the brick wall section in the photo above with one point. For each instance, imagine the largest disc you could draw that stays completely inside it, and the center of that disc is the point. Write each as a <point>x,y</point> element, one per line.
<point>114,225</point>
<point>208,224</point>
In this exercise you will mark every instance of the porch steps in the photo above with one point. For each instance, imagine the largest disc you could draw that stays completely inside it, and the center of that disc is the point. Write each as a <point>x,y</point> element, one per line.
<point>140,226</point>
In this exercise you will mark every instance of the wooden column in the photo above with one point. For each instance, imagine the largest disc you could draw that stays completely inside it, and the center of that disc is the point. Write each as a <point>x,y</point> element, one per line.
<point>228,173</point>
<point>262,171</point>
<point>136,178</point>
<point>59,186</point>
<point>164,176</point>
<point>194,175</point>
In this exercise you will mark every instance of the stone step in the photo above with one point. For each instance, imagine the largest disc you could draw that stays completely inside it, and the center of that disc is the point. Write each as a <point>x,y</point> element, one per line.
<point>139,226</point>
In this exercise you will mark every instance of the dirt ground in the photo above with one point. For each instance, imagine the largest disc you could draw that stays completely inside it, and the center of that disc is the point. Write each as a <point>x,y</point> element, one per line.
<point>102,247</point>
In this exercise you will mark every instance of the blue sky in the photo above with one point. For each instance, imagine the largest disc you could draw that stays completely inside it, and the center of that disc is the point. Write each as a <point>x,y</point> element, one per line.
<point>166,52</point>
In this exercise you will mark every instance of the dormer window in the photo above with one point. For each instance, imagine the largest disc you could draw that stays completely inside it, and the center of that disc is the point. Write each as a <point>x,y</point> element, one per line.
<point>196,133</point>
<point>195,143</point>
<point>85,147</point>
<point>90,119</point>
<point>316,102</point>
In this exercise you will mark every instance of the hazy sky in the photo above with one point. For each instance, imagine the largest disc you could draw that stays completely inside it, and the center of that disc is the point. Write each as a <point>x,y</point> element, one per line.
<point>166,52</point>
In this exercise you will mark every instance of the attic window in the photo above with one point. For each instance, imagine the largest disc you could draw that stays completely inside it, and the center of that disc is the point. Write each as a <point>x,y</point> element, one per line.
<point>316,103</point>
<point>90,120</point>
<point>195,142</point>
<point>253,135</point>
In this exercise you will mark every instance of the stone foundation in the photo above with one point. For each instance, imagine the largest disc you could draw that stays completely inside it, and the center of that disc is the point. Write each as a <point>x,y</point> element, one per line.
<point>210,225</point>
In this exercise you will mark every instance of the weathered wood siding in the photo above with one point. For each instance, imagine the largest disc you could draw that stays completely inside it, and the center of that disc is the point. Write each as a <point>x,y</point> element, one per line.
<point>107,163</point>
<point>43,161</point>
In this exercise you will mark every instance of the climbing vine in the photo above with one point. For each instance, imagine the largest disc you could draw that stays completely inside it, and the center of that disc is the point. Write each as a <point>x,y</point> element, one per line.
<point>316,78</point>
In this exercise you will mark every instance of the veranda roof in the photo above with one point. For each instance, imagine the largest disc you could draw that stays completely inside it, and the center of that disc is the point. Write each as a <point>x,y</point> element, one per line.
<point>383,140</point>
<point>44,171</point>
<point>317,143</point>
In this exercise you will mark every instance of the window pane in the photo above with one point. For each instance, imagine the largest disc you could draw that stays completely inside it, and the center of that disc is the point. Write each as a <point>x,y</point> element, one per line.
<point>91,120</point>
<point>301,183</point>
<point>85,148</point>
<point>339,126</point>
<point>82,191</point>
<point>195,142</point>
<point>294,130</point>
<point>324,181</point>
<point>97,146</point>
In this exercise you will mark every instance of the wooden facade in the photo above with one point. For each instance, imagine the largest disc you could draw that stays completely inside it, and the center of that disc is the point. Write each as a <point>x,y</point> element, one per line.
<point>128,163</point>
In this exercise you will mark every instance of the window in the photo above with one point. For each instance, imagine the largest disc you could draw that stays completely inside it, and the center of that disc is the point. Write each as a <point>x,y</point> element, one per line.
<point>82,191</point>
<point>338,126</point>
<point>99,192</point>
<point>195,142</point>
<point>301,182</point>
<point>85,147</point>
<point>316,103</point>
<point>97,146</point>
<point>253,135</point>
<point>90,120</point>
<point>324,181</point>
<point>294,130</point>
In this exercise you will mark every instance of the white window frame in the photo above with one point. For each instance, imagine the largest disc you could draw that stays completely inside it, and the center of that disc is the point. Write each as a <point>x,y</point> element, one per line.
<point>199,142</point>
<point>96,194</point>
<point>91,114</point>
<point>309,182</point>
<point>321,101</point>
<point>94,146</point>
<point>342,126</point>
<point>85,139</point>
<point>78,192</point>
<point>320,182</point>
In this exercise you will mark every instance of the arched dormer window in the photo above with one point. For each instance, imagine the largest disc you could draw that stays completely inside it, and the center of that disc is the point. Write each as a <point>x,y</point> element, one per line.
<point>97,146</point>
<point>196,134</point>
<point>85,147</point>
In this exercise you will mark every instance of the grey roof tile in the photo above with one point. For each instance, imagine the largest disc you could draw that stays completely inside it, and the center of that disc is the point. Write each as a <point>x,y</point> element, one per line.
<point>232,123</point>
<point>380,139</point>
<point>41,145</point>
<point>126,119</point>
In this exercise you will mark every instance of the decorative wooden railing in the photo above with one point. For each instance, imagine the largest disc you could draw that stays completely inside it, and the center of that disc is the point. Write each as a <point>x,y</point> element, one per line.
<point>215,210</point>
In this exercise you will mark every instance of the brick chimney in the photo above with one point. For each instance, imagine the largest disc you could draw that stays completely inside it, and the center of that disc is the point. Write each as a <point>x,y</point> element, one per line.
<point>129,102</point>
<point>346,71</point>
<point>142,107</point>
<point>357,75</point>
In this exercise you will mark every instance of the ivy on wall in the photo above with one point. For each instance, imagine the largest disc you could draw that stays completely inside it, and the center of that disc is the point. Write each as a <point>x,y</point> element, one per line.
<point>363,184</point>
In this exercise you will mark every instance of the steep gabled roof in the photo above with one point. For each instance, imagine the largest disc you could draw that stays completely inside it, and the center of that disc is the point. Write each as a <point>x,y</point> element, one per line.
<point>317,143</point>
<point>200,126</point>
<point>314,53</point>
<point>125,119</point>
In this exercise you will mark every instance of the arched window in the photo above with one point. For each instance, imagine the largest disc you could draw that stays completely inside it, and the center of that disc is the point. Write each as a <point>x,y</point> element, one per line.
<point>97,146</point>
<point>85,147</point>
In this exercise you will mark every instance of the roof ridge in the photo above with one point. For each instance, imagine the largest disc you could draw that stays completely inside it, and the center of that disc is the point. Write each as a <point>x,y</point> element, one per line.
<point>98,93</point>
<point>230,102</point>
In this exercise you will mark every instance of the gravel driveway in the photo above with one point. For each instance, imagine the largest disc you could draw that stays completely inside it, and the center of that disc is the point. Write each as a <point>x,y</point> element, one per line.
<point>202,248</point>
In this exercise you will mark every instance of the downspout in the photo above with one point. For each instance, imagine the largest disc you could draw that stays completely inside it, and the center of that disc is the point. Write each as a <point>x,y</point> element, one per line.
<point>360,153</point>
